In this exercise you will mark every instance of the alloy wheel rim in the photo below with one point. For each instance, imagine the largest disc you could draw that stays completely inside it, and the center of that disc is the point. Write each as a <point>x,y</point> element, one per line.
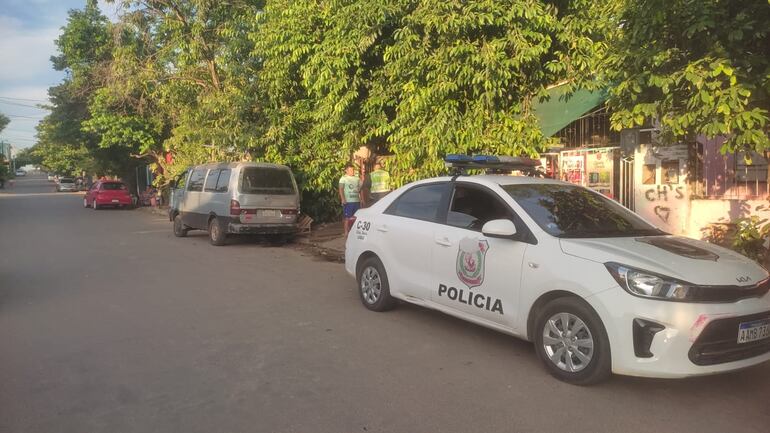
<point>371,285</point>
<point>568,342</point>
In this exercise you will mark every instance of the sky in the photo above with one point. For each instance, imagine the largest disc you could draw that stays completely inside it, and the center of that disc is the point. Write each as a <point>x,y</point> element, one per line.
<point>28,29</point>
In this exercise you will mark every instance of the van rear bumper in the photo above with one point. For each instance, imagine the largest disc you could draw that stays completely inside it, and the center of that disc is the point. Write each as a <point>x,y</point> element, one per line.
<point>267,229</point>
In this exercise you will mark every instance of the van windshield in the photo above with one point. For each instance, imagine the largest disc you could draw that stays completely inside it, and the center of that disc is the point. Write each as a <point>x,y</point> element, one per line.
<point>266,180</point>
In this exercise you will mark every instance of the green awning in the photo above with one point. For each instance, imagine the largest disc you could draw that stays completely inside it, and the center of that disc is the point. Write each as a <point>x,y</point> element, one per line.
<point>559,111</point>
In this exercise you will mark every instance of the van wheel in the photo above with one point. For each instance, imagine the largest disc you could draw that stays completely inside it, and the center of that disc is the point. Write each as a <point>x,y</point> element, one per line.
<point>373,287</point>
<point>217,236</point>
<point>180,230</point>
<point>572,343</point>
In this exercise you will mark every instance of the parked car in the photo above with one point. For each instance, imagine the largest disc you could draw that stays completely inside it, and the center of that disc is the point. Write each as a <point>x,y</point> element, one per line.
<point>594,286</point>
<point>235,198</point>
<point>21,172</point>
<point>66,184</point>
<point>106,193</point>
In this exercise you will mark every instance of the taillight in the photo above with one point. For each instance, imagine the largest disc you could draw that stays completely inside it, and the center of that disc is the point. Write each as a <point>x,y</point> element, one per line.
<point>352,221</point>
<point>235,207</point>
<point>288,211</point>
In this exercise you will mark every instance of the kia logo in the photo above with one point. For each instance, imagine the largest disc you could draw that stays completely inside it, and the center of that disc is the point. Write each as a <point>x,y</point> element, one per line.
<point>745,279</point>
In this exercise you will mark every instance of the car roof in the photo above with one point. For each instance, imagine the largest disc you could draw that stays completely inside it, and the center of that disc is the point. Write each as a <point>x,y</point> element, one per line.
<point>498,179</point>
<point>239,164</point>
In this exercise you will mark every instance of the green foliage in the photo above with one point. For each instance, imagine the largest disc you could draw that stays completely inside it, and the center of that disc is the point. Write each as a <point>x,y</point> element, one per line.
<point>3,169</point>
<point>751,237</point>
<point>697,67</point>
<point>418,79</point>
<point>27,157</point>
<point>4,121</point>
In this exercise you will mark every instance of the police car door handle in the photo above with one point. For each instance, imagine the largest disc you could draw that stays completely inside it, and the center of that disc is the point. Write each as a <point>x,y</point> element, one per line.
<point>382,228</point>
<point>443,241</point>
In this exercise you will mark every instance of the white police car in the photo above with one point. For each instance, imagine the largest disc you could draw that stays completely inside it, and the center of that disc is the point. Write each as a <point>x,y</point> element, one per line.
<point>594,286</point>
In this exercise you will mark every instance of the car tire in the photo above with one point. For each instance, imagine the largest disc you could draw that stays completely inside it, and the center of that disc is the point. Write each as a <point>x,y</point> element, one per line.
<point>572,343</point>
<point>217,236</point>
<point>180,230</point>
<point>85,203</point>
<point>373,287</point>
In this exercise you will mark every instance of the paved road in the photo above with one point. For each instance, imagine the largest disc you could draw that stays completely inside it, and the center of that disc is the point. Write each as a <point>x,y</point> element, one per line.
<point>110,324</point>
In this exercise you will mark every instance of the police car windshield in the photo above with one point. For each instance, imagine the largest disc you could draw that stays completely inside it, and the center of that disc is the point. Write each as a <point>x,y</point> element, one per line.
<point>570,211</point>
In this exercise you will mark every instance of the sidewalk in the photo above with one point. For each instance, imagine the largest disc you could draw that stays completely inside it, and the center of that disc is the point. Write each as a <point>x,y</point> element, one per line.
<point>328,239</point>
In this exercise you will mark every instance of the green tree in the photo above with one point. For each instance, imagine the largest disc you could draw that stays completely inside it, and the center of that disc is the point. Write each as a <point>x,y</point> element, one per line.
<point>26,156</point>
<point>699,67</point>
<point>418,79</point>
<point>68,144</point>
<point>4,121</point>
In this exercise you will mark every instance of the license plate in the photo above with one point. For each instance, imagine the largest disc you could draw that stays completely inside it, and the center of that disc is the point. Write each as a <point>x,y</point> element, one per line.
<point>753,331</point>
<point>116,201</point>
<point>272,213</point>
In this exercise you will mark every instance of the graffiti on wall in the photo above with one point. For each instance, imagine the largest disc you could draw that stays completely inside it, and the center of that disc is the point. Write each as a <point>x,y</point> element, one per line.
<point>661,193</point>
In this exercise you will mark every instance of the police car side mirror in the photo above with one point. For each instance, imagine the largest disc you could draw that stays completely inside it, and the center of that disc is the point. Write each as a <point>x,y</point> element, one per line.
<point>499,229</point>
<point>172,184</point>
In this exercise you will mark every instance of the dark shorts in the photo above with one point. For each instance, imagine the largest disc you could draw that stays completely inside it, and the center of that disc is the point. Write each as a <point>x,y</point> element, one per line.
<point>349,209</point>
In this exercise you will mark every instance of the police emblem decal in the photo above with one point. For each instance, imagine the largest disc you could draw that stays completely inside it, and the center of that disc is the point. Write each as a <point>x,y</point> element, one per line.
<point>470,261</point>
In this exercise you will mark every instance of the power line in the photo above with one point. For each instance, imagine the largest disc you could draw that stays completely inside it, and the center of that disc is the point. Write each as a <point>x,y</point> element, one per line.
<point>11,140</point>
<point>22,99</point>
<point>14,116</point>
<point>23,105</point>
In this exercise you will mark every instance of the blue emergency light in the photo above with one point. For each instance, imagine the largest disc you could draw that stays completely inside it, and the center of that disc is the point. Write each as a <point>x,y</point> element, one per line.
<point>455,158</point>
<point>458,164</point>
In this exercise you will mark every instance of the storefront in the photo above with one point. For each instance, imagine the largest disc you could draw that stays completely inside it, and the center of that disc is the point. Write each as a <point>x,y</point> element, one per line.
<point>595,168</point>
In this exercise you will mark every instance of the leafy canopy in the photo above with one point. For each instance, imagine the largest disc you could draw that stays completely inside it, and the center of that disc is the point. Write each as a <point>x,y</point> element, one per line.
<point>699,67</point>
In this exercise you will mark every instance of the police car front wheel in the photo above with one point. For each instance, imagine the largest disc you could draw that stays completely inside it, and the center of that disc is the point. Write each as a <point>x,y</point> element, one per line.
<point>572,342</point>
<point>373,286</point>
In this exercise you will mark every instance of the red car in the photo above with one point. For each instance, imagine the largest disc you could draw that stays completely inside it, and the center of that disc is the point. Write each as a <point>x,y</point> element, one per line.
<point>107,193</point>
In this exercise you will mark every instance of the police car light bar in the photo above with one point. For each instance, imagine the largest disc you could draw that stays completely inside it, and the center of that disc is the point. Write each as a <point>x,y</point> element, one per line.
<point>459,163</point>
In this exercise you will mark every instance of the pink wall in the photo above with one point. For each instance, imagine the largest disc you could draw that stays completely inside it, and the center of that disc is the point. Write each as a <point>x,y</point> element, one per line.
<point>716,178</point>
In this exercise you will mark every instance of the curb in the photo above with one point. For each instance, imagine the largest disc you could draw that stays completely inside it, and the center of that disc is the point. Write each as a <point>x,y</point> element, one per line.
<point>331,254</point>
<point>161,211</point>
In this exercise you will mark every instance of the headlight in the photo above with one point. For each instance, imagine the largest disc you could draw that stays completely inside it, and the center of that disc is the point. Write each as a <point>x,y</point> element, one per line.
<point>654,286</point>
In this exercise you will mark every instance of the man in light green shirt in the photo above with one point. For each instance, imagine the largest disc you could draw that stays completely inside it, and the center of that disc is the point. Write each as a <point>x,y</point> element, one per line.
<point>350,195</point>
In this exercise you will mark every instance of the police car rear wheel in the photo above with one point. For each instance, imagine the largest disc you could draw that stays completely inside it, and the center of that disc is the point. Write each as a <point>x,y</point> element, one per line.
<point>572,342</point>
<point>373,286</point>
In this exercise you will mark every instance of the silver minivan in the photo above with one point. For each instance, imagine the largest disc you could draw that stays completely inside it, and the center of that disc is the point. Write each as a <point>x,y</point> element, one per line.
<point>235,198</point>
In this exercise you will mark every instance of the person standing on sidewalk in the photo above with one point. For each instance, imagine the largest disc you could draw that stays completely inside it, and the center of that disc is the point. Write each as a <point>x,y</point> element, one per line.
<point>350,195</point>
<point>376,185</point>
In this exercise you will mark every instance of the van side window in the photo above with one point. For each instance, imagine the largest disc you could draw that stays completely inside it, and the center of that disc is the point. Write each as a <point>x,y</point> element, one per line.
<point>211,181</point>
<point>224,180</point>
<point>196,180</point>
<point>181,180</point>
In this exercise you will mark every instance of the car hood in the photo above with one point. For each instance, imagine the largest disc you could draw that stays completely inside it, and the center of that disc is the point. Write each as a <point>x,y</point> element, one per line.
<point>691,260</point>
